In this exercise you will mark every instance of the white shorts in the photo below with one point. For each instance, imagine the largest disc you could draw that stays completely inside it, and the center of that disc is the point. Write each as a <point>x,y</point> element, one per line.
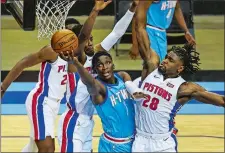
<point>155,143</point>
<point>42,112</point>
<point>75,132</point>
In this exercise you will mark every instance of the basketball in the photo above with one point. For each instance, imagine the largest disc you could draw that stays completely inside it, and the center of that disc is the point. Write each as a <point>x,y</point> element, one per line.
<point>64,40</point>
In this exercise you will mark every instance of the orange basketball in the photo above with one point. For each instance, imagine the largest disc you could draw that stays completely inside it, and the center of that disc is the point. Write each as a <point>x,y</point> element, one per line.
<point>64,40</point>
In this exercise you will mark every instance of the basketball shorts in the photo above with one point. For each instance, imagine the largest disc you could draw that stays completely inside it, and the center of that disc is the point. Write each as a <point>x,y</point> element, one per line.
<point>154,143</point>
<point>110,144</point>
<point>42,112</point>
<point>75,132</point>
<point>158,41</point>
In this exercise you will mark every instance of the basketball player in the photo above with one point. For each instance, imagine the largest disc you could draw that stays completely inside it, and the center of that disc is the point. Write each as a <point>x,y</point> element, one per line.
<point>76,135</point>
<point>158,15</point>
<point>43,101</point>
<point>113,103</point>
<point>167,92</point>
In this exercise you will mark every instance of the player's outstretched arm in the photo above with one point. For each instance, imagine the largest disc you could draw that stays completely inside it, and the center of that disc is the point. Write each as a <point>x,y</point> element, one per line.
<point>119,29</point>
<point>88,26</point>
<point>45,54</point>
<point>131,87</point>
<point>150,58</point>
<point>95,88</point>
<point>134,52</point>
<point>180,20</point>
<point>195,91</point>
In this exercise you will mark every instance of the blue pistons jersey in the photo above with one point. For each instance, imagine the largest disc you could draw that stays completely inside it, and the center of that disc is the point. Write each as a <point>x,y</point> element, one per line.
<point>117,111</point>
<point>160,13</point>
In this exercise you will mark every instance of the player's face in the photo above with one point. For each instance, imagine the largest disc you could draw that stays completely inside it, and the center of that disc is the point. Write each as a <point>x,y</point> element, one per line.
<point>89,49</point>
<point>171,65</point>
<point>104,68</point>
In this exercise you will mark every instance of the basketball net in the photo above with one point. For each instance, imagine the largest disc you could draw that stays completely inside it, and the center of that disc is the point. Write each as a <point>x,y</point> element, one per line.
<point>51,16</point>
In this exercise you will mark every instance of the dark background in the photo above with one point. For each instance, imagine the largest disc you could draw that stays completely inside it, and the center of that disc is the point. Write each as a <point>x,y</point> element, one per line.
<point>201,7</point>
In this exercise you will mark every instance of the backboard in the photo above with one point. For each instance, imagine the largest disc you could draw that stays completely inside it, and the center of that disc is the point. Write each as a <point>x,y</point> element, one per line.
<point>23,11</point>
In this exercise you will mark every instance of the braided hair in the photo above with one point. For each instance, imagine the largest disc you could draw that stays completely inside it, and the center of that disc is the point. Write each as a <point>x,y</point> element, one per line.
<point>189,56</point>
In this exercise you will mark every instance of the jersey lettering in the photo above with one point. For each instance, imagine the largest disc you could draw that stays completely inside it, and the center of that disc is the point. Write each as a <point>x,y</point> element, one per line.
<point>119,96</point>
<point>158,91</point>
<point>168,5</point>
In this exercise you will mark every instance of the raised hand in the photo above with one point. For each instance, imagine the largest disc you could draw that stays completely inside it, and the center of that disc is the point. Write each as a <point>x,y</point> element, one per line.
<point>134,53</point>
<point>68,56</point>
<point>135,2</point>
<point>190,38</point>
<point>139,96</point>
<point>101,4</point>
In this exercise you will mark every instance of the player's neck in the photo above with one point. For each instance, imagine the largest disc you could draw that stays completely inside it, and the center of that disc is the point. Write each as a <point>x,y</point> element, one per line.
<point>112,80</point>
<point>170,76</point>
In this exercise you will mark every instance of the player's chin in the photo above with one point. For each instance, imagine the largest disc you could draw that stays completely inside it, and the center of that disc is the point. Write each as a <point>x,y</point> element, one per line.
<point>106,77</point>
<point>89,52</point>
<point>162,69</point>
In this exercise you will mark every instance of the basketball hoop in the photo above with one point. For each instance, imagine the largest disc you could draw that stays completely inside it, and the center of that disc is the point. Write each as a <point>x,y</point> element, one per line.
<point>51,16</point>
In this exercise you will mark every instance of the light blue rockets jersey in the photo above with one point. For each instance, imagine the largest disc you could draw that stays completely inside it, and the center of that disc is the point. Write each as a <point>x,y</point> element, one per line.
<point>160,13</point>
<point>117,111</point>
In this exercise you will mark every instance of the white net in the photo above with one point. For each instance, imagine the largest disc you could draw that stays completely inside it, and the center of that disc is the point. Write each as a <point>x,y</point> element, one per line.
<point>51,16</point>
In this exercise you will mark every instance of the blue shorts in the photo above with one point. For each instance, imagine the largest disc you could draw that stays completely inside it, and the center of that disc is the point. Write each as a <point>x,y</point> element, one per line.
<point>158,42</point>
<point>109,146</point>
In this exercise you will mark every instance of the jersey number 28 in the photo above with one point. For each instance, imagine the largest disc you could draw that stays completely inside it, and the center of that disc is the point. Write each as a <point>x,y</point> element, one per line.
<point>152,103</point>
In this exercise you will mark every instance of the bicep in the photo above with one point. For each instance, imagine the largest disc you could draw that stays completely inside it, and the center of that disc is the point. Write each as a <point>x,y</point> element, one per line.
<point>31,60</point>
<point>45,54</point>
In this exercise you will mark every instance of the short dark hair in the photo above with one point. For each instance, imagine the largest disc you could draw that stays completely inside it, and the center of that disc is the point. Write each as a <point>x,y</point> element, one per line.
<point>96,58</point>
<point>189,56</point>
<point>77,29</point>
<point>71,21</point>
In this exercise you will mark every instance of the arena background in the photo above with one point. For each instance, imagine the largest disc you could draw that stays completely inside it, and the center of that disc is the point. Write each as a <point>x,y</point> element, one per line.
<point>201,126</point>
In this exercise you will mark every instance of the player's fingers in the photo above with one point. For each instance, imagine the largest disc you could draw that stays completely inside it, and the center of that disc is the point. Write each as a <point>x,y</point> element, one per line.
<point>63,56</point>
<point>70,57</point>
<point>108,2</point>
<point>71,54</point>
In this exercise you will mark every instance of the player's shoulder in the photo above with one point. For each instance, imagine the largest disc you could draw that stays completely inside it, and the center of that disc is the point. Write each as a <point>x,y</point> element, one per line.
<point>48,53</point>
<point>123,74</point>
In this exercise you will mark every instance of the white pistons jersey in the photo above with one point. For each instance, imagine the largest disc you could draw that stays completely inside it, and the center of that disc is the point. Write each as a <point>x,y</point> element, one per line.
<point>52,79</point>
<point>155,114</point>
<point>77,94</point>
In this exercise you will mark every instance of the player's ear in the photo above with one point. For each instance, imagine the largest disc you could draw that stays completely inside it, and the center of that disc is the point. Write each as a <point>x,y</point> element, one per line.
<point>113,66</point>
<point>180,69</point>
